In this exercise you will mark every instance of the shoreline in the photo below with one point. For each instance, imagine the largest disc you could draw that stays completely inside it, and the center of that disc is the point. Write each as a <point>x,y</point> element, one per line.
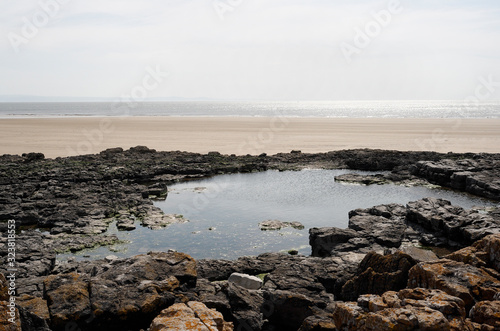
<point>68,136</point>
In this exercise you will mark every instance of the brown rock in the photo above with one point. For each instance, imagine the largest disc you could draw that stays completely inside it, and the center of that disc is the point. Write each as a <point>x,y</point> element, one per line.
<point>5,324</point>
<point>487,312</point>
<point>465,281</point>
<point>408,309</point>
<point>318,323</point>
<point>377,274</point>
<point>4,288</point>
<point>483,253</point>
<point>190,316</point>
<point>67,298</point>
<point>34,305</point>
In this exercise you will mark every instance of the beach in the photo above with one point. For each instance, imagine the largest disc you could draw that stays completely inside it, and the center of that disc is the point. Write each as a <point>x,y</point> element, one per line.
<point>67,136</point>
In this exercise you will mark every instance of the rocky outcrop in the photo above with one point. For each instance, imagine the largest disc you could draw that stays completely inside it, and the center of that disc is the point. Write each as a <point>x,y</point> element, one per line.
<point>464,281</point>
<point>190,316</point>
<point>478,176</point>
<point>429,222</point>
<point>112,294</point>
<point>408,309</point>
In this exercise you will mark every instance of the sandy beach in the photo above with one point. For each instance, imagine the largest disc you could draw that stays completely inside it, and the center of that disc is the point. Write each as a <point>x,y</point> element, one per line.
<point>245,135</point>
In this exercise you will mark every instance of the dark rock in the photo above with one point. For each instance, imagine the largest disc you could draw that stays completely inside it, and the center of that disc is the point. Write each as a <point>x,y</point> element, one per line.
<point>477,176</point>
<point>325,240</point>
<point>287,310</point>
<point>377,274</point>
<point>245,308</point>
<point>487,312</point>
<point>355,178</point>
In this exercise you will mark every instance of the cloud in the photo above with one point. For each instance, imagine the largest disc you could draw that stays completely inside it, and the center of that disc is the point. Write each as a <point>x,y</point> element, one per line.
<point>272,49</point>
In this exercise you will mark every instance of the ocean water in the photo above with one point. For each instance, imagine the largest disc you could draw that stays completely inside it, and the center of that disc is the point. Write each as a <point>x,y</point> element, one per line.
<point>352,109</point>
<point>224,212</point>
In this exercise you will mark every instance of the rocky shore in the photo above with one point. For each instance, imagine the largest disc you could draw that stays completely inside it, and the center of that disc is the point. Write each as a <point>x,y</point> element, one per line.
<point>426,265</point>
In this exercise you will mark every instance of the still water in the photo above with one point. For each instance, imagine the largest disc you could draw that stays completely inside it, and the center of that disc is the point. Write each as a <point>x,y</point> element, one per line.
<point>224,212</point>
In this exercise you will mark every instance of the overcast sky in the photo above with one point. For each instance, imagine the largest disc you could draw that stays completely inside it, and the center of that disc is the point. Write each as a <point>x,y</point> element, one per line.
<point>250,49</point>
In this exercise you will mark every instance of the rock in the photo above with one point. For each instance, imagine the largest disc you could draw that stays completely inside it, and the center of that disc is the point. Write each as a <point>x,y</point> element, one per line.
<point>355,178</point>
<point>419,254</point>
<point>245,308</point>
<point>318,323</point>
<point>190,316</point>
<point>246,281</point>
<point>486,312</point>
<point>287,309</point>
<point>464,281</point>
<point>456,225</point>
<point>4,288</point>
<point>68,299</point>
<point>14,324</point>
<point>278,225</point>
<point>477,176</point>
<point>31,321</point>
<point>325,240</point>
<point>377,274</point>
<point>483,253</point>
<point>408,309</point>
<point>383,231</point>
<point>35,305</point>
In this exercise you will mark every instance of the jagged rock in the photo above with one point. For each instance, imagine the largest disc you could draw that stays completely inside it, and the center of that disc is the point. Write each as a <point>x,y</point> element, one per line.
<point>190,316</point>
<point>118,294</point>
<point>484,253</point>
<point>487,312</point>
<point>408,309</point>
<point>278,225</point>
<point>246,281</point>
<point>245,308</point>
<point>377,274</point>
<point>464,281</point>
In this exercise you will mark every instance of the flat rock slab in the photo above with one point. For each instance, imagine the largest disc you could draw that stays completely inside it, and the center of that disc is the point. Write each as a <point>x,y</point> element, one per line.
<point>246,281</point>
<point>278,225</point>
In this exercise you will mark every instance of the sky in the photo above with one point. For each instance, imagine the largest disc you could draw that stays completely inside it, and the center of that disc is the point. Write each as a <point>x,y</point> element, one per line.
<point>251,49</point>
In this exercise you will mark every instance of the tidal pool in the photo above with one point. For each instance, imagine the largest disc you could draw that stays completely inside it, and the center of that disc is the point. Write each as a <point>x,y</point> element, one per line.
<point>224,212</point>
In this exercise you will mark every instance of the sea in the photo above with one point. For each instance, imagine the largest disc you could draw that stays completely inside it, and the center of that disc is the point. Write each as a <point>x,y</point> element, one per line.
<point>321,109</point>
